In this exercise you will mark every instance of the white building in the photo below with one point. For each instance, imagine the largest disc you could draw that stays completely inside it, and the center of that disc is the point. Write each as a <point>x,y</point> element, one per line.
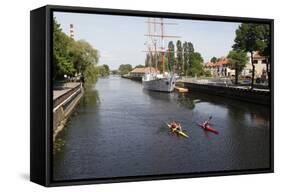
<point>260,66</point>
<point>222,67</point>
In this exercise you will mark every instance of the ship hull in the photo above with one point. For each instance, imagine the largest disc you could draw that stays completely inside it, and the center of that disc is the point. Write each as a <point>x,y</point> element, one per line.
<point>163,84</point>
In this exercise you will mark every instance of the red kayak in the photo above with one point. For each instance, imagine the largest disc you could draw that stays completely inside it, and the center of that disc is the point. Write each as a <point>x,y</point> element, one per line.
<point>208,128</point>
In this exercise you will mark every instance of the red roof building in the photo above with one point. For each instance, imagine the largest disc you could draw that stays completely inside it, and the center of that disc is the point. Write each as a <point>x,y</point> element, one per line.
<point>140,71</point>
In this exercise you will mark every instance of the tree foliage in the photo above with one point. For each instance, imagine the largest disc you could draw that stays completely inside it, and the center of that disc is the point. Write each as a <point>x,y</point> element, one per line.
<point>103,70</point>
<point>82,55</point>
<point>251,37</point>
<point>179,56</point>
<point>106,68</point>
<point>187,62</point>
<point>214,59</point>
<point>188,50</point>
<point>72,57</point>
<point>171,55</point>
<point>125,69</point>
<point>266,51</point>
<point>139,66</point>
<point>196,63</point>
<point>238,60</point>
<point>61,60</point>
<point>185,57</point>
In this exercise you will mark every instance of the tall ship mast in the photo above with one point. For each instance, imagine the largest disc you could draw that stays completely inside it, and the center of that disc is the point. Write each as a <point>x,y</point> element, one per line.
<point>158,78</point>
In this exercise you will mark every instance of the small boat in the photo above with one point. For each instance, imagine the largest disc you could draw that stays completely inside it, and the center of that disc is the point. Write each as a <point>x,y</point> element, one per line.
<point>181,133</point>
<point>208,128</point>
<point>181,89</point>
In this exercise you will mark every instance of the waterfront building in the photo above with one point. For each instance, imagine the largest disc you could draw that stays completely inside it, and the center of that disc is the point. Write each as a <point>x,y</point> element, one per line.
<point>140,71</point>
<point>260,66</point>
<point>221,68</point>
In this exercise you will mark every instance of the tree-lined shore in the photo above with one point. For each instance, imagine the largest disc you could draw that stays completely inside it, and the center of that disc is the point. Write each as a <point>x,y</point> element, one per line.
<point>75,58</point>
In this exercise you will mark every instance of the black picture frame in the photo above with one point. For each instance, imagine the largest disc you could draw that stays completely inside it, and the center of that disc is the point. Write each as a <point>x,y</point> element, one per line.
<point>41,93</point>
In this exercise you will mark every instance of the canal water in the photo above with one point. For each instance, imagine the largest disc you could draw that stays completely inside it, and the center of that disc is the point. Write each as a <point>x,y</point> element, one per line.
<point>119,130</point>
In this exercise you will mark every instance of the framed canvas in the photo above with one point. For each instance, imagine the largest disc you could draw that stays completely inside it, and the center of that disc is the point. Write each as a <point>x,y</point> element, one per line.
<point>125,95</point>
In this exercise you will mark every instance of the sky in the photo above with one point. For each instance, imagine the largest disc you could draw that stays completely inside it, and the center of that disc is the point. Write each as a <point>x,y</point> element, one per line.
<point>121,39</point>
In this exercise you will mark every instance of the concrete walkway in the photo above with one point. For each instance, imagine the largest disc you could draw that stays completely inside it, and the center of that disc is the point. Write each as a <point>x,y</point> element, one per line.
<point>57,92</point>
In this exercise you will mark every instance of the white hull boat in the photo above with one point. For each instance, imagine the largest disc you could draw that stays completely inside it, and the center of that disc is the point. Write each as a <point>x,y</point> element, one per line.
<point>158,82</point>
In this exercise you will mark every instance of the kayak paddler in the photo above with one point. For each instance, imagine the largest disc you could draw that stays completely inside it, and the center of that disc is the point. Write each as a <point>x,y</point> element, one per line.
<point>175,126</point>
<point>206,123</point>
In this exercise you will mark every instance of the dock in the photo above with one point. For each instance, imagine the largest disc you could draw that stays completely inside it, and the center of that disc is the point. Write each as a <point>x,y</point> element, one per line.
<point>257,96</point>
<point>181,89</point>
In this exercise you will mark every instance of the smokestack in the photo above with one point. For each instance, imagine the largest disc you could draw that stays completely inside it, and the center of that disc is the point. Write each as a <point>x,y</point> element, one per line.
<point>71,30</point>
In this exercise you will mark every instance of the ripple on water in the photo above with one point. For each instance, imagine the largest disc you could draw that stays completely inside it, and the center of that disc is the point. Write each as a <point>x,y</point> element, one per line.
<point>120,130</point>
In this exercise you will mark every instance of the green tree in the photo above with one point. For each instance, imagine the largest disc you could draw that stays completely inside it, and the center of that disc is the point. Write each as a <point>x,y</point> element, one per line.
<point>171,56</point>
<point>83,55</point>
<point>179,57</point>
<point>107,70</point>
<point>139,66</point>
<point>208,73</point>
<point>250,38</point>
<point>63,64</point>
<point>238,60</point>
<point>125,69</point>
<point>185,57</point>
<point>103,70</point>
<point>190,51</point>
<point>84,58</point>
<point>72,57</point>
<point>196,62</point>
<point>266,50</point>
<point>214,60</point>
<point>91,75</point>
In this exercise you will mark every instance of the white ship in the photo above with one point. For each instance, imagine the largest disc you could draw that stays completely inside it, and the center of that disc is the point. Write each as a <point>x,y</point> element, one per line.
<point>154,80</point>
<point>159,82</point>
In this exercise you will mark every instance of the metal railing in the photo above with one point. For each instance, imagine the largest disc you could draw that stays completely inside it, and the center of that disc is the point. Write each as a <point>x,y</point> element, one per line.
<point>64,98</point>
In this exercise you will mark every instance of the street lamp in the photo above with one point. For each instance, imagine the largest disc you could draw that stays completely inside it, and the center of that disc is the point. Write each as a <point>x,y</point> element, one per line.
<point>65,76</point>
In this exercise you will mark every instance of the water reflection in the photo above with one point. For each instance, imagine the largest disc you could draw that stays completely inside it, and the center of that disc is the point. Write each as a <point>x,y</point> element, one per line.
<point>120,130</point>
<point>185,101</point>
<point>156,95</point>
<point>58,145</point>
<point>91,98</point>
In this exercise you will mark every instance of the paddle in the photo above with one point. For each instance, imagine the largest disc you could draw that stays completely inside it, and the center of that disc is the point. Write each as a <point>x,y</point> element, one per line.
<point>210,120</point>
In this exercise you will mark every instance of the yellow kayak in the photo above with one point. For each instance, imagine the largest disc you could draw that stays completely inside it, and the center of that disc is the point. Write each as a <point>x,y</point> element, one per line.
<point>181,133</point>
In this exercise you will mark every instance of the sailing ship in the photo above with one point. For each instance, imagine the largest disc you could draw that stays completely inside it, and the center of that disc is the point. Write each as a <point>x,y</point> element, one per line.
<point>154,80</point>
<point>159,82</point>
